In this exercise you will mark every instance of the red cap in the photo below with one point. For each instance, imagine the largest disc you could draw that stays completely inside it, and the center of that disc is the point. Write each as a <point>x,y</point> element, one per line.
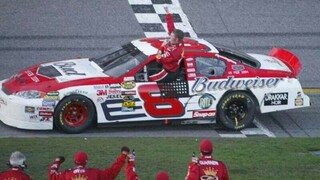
<point>206,146</point>
<point>162,175</point>
<point>81,158</point>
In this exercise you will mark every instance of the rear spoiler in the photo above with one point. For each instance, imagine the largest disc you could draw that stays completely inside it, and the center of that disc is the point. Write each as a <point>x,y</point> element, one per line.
<point>288,58</point>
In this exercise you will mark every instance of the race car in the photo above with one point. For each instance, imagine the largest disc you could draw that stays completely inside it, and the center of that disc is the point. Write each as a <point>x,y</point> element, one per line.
<point>213,84</point>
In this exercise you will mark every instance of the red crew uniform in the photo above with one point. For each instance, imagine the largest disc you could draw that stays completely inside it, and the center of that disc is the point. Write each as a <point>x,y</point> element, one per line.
<point>206,167</point>
<point>131,171</point>
<point>14,173</point>
<point>170,56</point>
<point>83,173</point>
<point>17,164</point>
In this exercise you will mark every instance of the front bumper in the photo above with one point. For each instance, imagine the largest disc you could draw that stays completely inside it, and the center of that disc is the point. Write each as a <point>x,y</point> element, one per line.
<point>22,113</point>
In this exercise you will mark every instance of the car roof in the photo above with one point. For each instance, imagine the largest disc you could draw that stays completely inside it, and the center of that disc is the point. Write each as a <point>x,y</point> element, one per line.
<point>150,46</point>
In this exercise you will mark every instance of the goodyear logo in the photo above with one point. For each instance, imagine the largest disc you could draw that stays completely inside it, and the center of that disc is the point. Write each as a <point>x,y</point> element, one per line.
<point>128,84</point>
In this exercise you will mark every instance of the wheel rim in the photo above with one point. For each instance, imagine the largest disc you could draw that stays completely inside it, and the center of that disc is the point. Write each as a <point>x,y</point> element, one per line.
<point>237,111</point>
<point>75,114</point>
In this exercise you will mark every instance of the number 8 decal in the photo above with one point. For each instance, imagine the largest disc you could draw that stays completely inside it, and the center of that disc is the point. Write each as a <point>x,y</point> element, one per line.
<point>157,106</point>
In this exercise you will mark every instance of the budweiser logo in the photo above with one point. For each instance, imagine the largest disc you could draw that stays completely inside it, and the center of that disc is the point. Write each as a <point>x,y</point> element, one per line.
<point>203,84</point>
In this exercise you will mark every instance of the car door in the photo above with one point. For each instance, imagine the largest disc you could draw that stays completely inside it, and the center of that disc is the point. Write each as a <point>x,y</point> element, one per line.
<point>203,72</point>
<point>150,100</point>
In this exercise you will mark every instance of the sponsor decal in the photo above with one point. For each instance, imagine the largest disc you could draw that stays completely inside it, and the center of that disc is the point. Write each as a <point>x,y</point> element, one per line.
<point>29,109</point>
<point>51,97</point>
<point>189,59</point>
<point>191,74</point>
<point>129,104</point>
<point>130,78</point>
<point>32,76</point>
<point>128,98</point>
<point>45,113</point>
<point>128,84</point>
<point>203,84</point>
<point>115,91</point>
<point>66,67</point>
<point>114,96</point>
<point>128,92</point>
<point>271,99</point>
<point>48,102</point>
<point>35,79</point>
<point>115,86</point>
<point>127,109</point>
<point>53,93</point>
<point>44,108</point>
<point>190,65</point>
<point>102,92</point>
<point>101,86</point>
<point>205,101</point>
<point>238,72</point>
<point>114,114</point>
<point>203,114</point>
<point>33,116</point>
<point>29,73</point>
<point>237,67</point>
<point>77,91</point>
<point>298,101</point>
<point>191,70</point>
<point>45,119</point>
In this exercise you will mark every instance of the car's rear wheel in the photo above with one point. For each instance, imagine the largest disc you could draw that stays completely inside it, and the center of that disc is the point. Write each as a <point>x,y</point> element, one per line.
<point>236,110</point>
<point>74,114</point>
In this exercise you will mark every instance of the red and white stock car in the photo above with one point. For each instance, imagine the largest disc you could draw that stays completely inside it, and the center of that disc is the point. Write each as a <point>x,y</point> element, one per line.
<point>214,83</point>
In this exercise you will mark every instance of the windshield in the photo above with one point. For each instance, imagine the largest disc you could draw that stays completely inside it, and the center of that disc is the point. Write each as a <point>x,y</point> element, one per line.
<point>237,55</point>
<point>120,60</point>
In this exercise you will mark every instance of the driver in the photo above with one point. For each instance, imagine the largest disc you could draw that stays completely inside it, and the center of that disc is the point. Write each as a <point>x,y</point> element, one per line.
<point>170,53</point>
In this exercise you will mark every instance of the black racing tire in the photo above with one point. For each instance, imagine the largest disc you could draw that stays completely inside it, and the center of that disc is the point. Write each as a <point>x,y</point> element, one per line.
<point>236,110</point>
<point>74,114</point>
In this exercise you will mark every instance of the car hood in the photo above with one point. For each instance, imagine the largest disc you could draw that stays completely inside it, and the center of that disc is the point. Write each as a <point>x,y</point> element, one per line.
<point>270,63</point>
<point>70,70</point>
<point>55,75</point>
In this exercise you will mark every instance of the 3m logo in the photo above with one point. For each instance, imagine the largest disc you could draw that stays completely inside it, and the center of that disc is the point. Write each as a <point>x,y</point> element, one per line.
<point>102,92</point>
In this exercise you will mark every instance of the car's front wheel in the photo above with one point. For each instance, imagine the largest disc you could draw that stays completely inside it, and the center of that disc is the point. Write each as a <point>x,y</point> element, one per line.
<point>74,114</point>
<point>236,110</point>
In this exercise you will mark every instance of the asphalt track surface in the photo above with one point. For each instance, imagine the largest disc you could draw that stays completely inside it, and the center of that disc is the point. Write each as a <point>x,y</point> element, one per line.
<point>38,31</point>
